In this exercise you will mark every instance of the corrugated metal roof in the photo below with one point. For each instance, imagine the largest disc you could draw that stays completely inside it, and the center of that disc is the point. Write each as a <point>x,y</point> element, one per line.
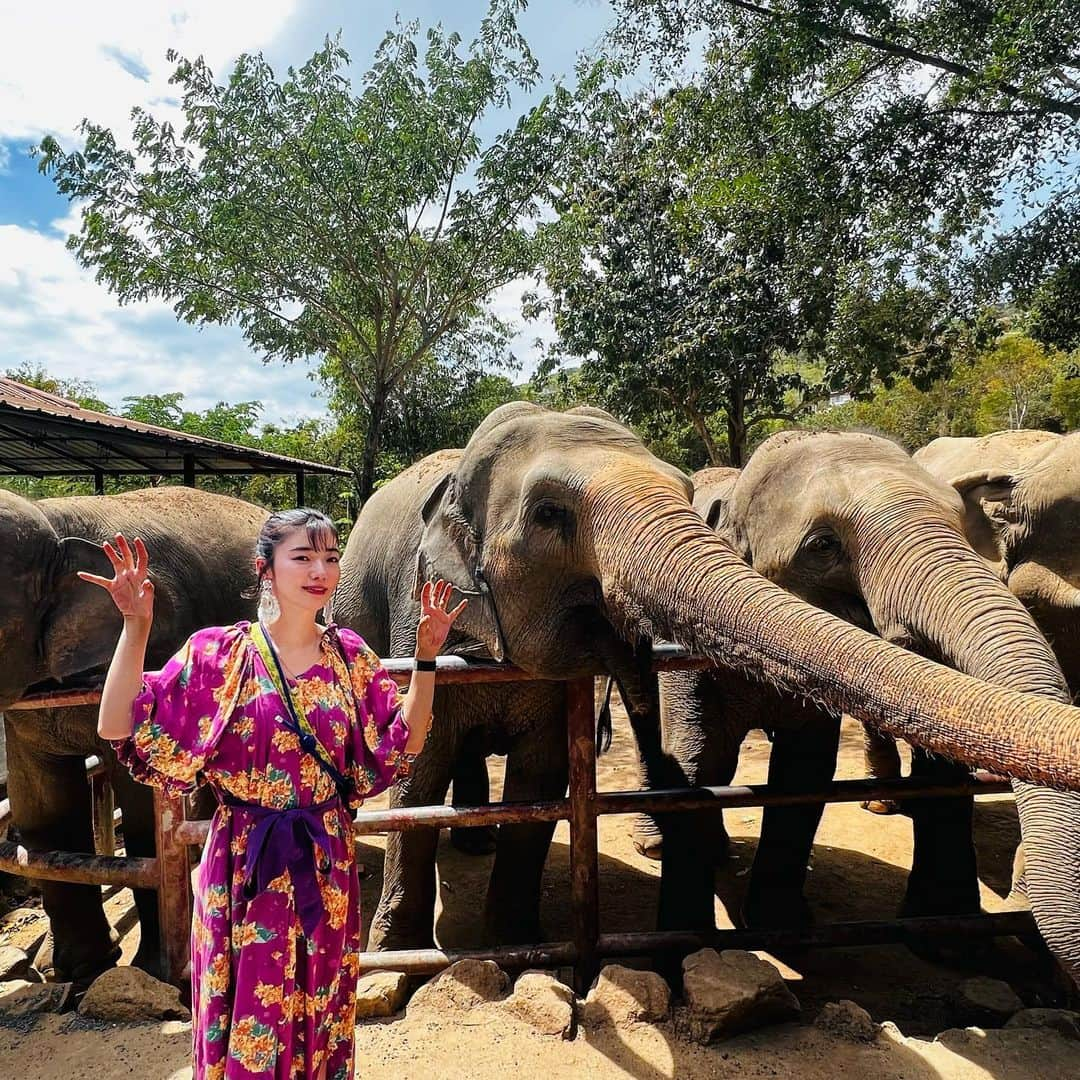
<point>45,435</point>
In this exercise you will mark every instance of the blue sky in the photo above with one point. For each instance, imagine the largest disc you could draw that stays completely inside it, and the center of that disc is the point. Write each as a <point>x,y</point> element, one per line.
<point>65,60</point>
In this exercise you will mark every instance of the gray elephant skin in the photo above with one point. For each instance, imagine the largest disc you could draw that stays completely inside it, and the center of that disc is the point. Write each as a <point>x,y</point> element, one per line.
<point>1021,494</point>
<point>576,548</point>
<point>57,631</point>
<point>848,522</point>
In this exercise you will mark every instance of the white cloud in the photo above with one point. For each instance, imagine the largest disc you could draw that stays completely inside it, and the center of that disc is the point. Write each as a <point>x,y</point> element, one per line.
<point>62,61</point>
<point>53,314</point>
<point>505,303</point>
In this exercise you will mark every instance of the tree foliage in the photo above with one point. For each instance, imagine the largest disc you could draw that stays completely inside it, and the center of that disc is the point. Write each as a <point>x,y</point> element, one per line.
<point>363,228</point>
<point>965,117</point>
<point>711,242</point>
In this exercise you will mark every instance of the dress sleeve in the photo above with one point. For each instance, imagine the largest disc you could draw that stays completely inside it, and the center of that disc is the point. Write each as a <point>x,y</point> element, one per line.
<point>379,736</point>
<point>182,710</point>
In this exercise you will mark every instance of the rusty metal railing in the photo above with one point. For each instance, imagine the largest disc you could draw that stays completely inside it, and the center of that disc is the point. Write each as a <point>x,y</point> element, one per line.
<point>169,872</point>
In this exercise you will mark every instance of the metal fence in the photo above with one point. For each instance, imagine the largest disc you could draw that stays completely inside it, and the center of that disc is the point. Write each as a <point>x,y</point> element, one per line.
<point>169,872</point>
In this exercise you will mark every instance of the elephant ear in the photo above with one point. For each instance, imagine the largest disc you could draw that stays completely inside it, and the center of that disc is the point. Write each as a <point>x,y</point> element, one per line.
<point>449,550</point>
<point>81,624</point>
<point>713,496</point>
<point>989,513</point>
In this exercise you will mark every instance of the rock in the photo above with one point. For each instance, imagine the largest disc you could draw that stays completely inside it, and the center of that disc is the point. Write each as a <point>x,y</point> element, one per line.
<point>462,985</point>
<point>991,1001</point>
<point>14,963</point>
<point>848,1020</point>
<point>1063,1021</point>
<point>624,996</point>
<point>21,998</point>
<point>380,993</point>
<point>733,991</point>
<point>127,994</point>
<point>543,1002</point>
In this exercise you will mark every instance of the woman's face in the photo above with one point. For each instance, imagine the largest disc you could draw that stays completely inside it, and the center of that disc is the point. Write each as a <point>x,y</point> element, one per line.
<point>304,575</point>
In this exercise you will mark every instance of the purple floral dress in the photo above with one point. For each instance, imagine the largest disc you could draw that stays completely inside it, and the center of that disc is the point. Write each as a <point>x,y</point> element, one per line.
<point>271,999</point>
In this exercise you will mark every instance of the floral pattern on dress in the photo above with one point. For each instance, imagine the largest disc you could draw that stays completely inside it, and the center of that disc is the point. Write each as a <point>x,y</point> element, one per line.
<point>267,1001</point>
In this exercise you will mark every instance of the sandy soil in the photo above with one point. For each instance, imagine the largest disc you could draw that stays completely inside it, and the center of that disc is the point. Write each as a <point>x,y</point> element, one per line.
<point>857,872</point>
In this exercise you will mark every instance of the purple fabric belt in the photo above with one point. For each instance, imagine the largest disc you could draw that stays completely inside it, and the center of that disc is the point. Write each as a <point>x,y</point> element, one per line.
<point>290,840</point>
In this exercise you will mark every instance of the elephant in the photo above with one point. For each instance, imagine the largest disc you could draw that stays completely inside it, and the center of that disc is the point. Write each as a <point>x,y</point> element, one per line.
<point>58,632</point>
<point>576,548</point>
<point>851,524</point>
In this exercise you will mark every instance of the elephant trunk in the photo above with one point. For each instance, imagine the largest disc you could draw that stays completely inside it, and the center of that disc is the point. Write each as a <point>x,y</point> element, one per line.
<point>951,601</point>
<point>928,581</point>
<point>663,571</point>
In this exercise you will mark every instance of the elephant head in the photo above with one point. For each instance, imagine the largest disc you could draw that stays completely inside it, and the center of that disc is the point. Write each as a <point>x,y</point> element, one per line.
<point>55,629</point>
<point>581,543</point>
<point>1021,495</point>
<point>850,523</point>
<point>853,525</point>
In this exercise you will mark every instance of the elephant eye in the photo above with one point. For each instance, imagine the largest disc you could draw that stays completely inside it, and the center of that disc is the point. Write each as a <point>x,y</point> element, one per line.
<point>550,515</point>
<point>821,543</point>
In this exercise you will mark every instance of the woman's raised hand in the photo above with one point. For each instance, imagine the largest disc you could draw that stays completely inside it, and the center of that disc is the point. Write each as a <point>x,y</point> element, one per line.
<point>435,620</point>
<point>131,588</point>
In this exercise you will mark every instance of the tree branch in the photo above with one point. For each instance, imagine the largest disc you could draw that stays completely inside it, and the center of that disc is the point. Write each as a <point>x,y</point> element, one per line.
<point>1048,104</point>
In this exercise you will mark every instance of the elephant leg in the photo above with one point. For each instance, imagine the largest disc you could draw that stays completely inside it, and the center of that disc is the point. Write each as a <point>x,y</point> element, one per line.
<point>703,729</point>
<point>471,788</point>
<point>405,915</point>
<point>944,878</point>
<point>137,806</point>
<point>1050,829</point>
<point>882,761</point>
<point>803,758</point>
<point>536,769</point>
<point>50,806</point>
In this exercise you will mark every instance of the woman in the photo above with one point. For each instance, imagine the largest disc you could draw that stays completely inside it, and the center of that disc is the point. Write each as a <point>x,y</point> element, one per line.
<point>292,725</point>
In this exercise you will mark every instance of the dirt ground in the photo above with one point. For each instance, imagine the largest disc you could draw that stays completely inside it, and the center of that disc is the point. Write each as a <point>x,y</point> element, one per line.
<point>857,872</point>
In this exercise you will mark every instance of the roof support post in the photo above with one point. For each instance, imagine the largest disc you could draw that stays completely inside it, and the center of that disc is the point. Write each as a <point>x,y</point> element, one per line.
<point>300,487</point>
<point>99,482</point>
<point>189,470</point>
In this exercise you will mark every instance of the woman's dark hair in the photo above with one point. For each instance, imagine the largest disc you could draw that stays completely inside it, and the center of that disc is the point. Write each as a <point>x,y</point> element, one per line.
<point>322,533</point>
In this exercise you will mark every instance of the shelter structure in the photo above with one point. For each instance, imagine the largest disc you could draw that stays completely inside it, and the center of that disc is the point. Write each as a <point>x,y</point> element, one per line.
<point>42,435</point>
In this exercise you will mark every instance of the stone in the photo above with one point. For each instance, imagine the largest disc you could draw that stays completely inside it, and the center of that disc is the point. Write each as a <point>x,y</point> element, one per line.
<point>848,1020</point>
<point>14,963</point>
<point>542,1002</point>
<point>1063,1021</point>
<point>380,993</point>
<point>991,1001</point>
<point>463,985</point>
<point>733,991</point>
<point>624,996</point>
<point>128,994</point>
<point>19,998</point>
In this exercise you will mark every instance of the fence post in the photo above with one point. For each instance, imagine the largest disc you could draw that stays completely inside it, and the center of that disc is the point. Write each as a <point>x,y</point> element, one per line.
<point>102,813</point>
<point>584,886</point>
<point>174,887</point>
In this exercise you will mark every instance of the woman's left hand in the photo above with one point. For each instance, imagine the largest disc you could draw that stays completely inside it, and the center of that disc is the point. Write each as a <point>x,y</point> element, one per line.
<point>435,620</point>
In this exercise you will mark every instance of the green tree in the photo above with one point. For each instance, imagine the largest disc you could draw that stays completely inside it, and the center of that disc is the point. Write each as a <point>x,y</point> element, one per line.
<point>700,250</point>
<point>360,227</point>
<point>964,117</point>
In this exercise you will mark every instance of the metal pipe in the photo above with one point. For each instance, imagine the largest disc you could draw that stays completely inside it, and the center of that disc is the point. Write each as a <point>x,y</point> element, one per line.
<point>626,802</point>
<point>424,961</point>
<point>78,868</point>
<point>671,799</point>
<point>831,935</point>
<point>584,853</point>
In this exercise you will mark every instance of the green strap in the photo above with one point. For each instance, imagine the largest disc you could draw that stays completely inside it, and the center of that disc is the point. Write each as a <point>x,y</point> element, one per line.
<point>272,664</point>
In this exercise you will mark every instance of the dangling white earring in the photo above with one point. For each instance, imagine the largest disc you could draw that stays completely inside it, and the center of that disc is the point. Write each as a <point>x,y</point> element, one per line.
<point>269,610</point>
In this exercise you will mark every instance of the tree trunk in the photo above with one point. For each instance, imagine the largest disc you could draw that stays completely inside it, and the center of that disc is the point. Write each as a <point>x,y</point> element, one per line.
<point>371,443</point>
<point>702,429</point>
